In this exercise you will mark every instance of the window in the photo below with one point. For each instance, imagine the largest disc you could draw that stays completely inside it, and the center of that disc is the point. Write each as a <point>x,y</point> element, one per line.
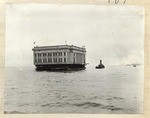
<point>60,53</point>
<point>64,59</point>
<point>55,54</point>
<point>49,54</point>
<point>74,58</point>
<point>55,59</point>
<point>35,61</point>
<point>49,59</point>
<point>44,54</point>
<point>44,60</point>
<point>39,61</point>
<point>64,53</point>
<point>39,54</point>
<point>35,55</point>
<point>60,59</point>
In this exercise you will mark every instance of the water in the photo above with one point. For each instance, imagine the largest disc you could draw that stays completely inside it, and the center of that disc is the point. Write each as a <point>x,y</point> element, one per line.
<point>115,89</point>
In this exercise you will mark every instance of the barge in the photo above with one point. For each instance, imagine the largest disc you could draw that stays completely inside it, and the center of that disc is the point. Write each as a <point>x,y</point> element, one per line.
<point>59,57</point>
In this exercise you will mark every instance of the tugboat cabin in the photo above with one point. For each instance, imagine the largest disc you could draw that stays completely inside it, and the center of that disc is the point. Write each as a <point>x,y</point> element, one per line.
<point>59,57</point>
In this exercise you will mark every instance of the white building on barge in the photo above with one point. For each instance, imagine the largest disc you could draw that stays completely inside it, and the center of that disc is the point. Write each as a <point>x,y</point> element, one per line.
<point>59,57</point>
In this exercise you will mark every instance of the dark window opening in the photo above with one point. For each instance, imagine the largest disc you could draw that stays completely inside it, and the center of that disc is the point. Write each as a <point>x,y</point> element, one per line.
<point>64,59</point>
<point>49,59</point>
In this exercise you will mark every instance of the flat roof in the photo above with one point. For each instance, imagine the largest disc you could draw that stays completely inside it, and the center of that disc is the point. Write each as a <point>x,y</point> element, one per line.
<point>55,47</point>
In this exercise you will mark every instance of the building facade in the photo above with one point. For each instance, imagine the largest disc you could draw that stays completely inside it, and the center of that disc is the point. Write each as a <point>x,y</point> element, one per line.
<point>59,57</point>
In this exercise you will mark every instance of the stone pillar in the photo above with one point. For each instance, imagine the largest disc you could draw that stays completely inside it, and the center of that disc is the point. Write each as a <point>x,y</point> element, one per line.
<point>52,57</point>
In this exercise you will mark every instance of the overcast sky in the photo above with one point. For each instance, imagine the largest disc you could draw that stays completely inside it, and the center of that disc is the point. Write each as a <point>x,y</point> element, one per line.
<point>114,34</point>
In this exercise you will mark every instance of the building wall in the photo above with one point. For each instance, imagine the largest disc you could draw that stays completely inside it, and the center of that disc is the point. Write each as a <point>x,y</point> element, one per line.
<point>59,56</point>
<point>76,58</point>
<point>50,57</point>
<point>69,58</point>
<point>79,58</point>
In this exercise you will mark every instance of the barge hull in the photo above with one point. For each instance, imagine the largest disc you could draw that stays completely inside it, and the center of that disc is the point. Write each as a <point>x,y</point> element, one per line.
<point>52,67</point>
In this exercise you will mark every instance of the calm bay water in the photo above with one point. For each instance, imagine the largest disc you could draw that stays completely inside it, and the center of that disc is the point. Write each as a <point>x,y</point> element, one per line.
<point>115,89</point>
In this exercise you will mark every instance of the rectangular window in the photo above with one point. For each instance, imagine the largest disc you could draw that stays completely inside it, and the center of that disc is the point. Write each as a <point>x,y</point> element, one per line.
<point>64,53</point>
<point>55,54</point>
<point>64,59</point>
<point>35,61</point>
<point>39,54</point>
<point>49,60</point>
<point>55,59</point>
<point>60,53</point>
<point>60,59</point>
<point>39,61</point>
<point>84,58</point>
<point>35,55</point>
<point>49,54</point>
<point>44,60</point>
<point>44,54</point>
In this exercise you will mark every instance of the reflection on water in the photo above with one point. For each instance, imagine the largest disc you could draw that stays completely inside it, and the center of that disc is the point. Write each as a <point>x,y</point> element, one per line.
<point>115,89</point>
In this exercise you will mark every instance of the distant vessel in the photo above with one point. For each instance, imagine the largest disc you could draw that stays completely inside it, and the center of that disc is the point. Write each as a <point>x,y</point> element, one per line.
<point>59,57</point>
<point>100,66</point>
<point>134,65</point>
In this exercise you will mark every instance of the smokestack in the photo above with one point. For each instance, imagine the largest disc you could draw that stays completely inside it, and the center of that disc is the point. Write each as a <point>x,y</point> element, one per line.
<point>100,61</point>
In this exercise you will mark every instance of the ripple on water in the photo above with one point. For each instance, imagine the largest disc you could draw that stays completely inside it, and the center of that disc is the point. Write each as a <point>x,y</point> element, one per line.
<point>14,112</point>
<point>93,104</point>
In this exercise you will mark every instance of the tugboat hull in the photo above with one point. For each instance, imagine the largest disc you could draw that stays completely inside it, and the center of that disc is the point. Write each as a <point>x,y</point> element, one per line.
<point>100,67</point>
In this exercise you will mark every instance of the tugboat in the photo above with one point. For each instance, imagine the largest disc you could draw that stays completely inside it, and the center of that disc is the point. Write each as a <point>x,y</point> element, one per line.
<point>134,65</point>
<point>100,66</point>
